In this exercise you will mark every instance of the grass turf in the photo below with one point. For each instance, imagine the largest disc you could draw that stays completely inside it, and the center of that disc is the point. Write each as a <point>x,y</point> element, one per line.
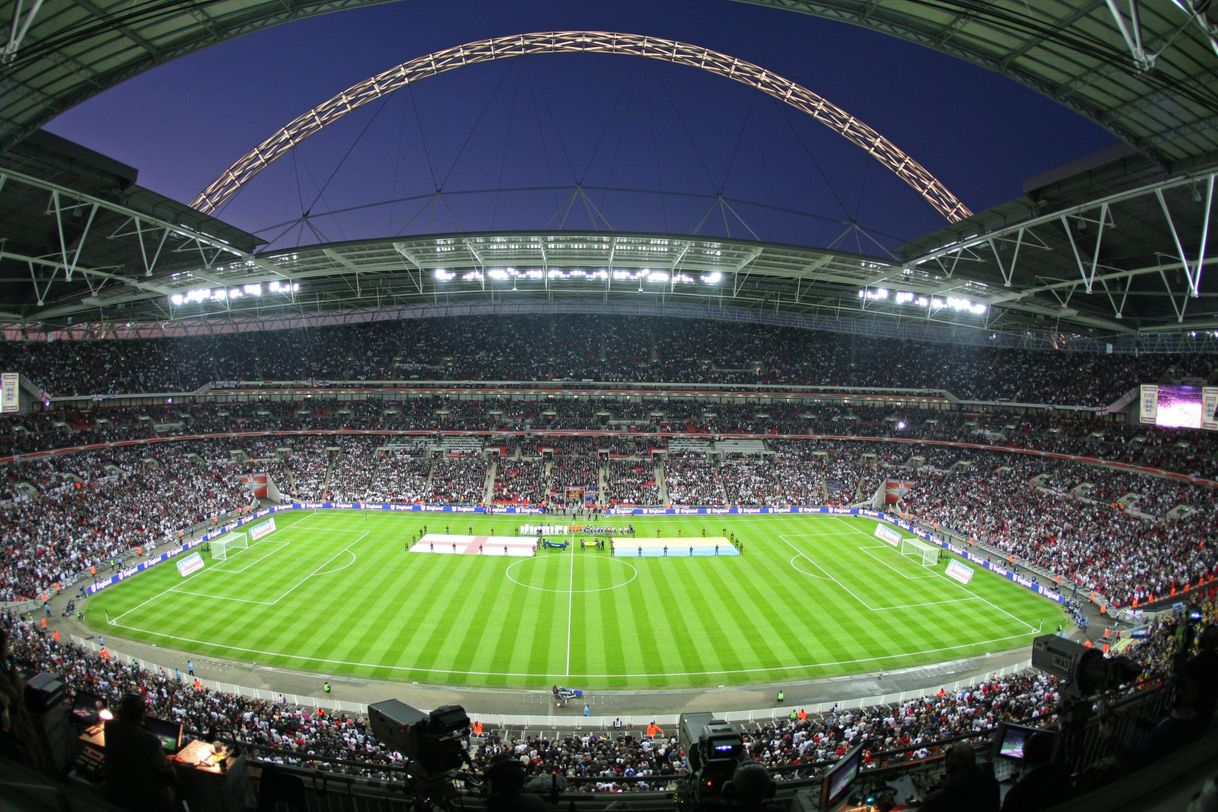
<point>335,592</point>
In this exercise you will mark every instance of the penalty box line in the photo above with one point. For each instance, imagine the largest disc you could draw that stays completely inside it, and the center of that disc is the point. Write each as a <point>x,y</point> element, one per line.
<point>177,587</point>
<point>963,587</point>
<point>864,603</point>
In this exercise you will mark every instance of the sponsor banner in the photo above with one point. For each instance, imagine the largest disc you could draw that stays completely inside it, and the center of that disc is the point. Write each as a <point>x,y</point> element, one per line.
<point>123,574</point>
<point>10,392</point>
<point>961,572</point>
<point>189,564</point>
<point>1049,593</point>
<point>1149,411</point>
<point>885,533</point>
<point>263,529</point>
<point>1209,408</point>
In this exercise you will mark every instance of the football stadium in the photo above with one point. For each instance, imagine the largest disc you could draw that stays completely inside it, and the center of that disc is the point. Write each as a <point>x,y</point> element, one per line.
<point>762,405</point>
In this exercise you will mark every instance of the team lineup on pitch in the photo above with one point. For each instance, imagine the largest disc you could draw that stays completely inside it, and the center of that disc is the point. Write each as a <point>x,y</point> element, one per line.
<point>675,604</point>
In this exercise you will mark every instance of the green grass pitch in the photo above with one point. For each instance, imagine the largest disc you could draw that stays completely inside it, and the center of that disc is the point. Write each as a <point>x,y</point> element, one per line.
<point>335,593</point>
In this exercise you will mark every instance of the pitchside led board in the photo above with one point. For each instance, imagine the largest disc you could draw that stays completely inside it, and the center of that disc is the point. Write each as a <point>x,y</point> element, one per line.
<point>1191,407</point>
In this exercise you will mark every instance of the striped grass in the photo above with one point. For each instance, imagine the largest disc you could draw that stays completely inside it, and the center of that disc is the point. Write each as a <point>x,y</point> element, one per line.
<point>335,593</point>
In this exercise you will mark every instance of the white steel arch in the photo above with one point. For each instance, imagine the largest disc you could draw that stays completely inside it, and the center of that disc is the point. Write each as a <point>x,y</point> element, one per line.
<point>601,42</point>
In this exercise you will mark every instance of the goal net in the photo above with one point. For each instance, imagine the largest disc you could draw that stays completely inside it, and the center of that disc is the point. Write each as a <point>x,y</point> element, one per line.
<point>222,547</point>
<point>929,553</point>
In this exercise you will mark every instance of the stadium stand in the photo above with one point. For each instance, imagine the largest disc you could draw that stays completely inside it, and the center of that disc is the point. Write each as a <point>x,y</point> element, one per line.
<point>702,352</point>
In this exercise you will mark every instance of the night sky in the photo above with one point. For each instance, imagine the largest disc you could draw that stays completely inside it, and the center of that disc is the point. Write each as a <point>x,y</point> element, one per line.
<point>652,143</point>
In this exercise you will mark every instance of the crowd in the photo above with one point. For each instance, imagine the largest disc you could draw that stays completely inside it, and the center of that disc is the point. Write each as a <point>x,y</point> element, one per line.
<point>692,479</point>
<point>459,479</point>
<point>613,760</point>
<point>104,504</point>
<point>631,481</point>
<point>605,348</point>
<point>521,479</point>
<point>1194,453</point>
<point>1126,535</point>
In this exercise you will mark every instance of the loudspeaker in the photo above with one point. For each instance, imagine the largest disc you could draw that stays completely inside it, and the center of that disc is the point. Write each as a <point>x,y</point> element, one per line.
<point>391,721</point>
<point>43,692</point>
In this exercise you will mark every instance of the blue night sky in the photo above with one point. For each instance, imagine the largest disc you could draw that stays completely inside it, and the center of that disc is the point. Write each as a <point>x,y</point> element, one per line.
<point>651,143</point>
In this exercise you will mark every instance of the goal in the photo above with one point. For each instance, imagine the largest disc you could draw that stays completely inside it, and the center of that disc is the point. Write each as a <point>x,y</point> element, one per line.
<point>929,553</point>
<point>221,547</point>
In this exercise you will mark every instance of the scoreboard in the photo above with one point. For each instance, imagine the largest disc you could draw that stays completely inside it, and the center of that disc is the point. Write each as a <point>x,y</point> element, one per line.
<point>10,392</point>
<point>1194,407</point>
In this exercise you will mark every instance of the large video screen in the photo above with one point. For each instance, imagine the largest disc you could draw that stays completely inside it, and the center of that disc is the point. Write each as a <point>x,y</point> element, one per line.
<point>1189,407</point>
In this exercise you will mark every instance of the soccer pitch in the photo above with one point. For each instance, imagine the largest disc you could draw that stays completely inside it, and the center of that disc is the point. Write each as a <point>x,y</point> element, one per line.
<point>335,592</point>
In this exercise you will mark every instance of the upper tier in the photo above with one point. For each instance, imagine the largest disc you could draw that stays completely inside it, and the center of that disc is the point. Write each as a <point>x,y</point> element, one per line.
<point>537,348</point>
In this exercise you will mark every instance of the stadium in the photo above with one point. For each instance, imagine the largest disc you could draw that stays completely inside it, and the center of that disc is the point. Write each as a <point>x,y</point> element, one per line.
<point>591,402</point>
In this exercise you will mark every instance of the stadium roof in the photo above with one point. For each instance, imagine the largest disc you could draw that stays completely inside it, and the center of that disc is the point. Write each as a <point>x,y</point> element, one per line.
<point>1148,78</point>
<point>1115,253</point>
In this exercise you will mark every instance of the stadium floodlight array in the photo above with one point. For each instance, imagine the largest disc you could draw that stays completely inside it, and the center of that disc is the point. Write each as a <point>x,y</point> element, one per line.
<point>230,541</point>
<point>198,295</point>
<point>916,547</point>
<point>578,274</point>
<point>958,304</point>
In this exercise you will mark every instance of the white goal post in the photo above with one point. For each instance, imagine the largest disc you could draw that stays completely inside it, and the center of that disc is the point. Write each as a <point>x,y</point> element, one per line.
<point>918,548</point>
<point>229,541</point>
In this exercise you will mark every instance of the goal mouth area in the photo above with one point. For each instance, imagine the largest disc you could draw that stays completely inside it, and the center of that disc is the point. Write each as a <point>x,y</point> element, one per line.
<point>917,548</point>
<point>225,545</point>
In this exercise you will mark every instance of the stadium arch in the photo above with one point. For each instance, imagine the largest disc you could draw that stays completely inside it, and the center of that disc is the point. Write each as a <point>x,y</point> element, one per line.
<point>492,49</point>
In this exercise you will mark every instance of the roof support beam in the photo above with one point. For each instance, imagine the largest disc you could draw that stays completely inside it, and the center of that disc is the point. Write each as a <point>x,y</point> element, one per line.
<point>1132,34</point>
<point>19,28</point>
<point>1192,274</point>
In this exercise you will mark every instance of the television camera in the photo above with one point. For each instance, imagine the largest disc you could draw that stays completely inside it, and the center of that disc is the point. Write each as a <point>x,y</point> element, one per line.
<point>436,743</point>
<point>713,749</point>
<point>1088,676</point>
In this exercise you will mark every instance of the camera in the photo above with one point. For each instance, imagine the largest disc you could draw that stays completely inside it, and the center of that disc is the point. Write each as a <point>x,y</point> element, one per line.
<point>713,749</point>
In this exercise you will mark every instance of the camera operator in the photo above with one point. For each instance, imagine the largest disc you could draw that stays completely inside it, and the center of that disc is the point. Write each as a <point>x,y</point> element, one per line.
<point>968,787</point>
<point>1173,732</point>
<point>751,788</point>
<point>1202,671</point>
<point>1045,784</point>
<point>505,778</point>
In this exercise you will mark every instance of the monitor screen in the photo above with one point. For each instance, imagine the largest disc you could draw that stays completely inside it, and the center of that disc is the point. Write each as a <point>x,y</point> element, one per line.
<point>1179,406</point>
<point>85,709</point>
<point>1010,741</point>
<point>170,733</point>
<point>840,776</point>
<point>1011,744</point>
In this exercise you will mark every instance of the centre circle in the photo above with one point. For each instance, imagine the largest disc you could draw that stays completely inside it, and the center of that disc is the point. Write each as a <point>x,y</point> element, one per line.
<point>541,572</point>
